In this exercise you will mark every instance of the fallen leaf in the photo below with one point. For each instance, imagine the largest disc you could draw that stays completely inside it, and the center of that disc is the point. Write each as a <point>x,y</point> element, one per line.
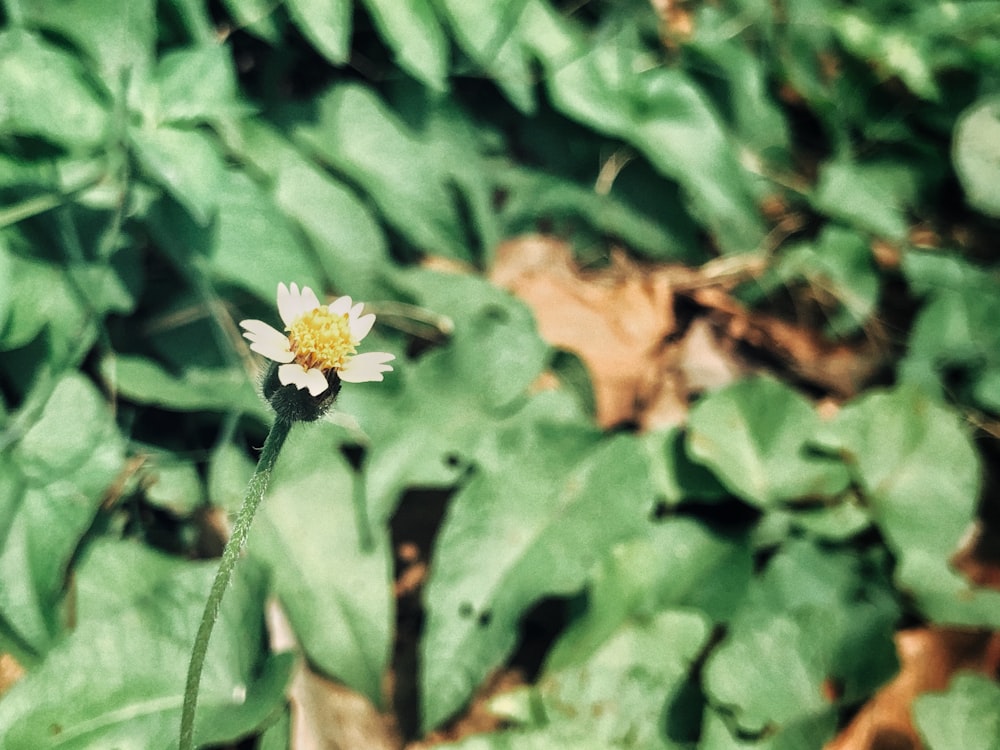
<point>615,319</point>
<point>928,658</point>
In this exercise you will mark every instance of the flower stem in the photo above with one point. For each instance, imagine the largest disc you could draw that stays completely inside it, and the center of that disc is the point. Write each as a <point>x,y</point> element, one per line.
<point>241,529</point>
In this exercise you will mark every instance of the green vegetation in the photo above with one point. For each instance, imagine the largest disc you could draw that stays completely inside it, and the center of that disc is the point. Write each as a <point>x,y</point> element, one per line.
<point>163,165</point>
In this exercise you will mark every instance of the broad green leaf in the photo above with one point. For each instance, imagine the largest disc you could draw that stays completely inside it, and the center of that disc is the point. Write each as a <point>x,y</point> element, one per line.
<point>248,224</point>
<point>871,197</point>
<point>359,136</point>
<point>676,477</point>
<point>143,381</point>
<point>453,396</point>
<point>59,472</point>
<point>955,330</point>
<point>42,298</point>
<point>229,472</point>
<point>967,715</point>
<point>118,679</point>
<point>917,467</point>
<point>678,563</point>
<point>173,484</point>
<point>543,504</point>
<point>58,106</point>
<point>758,120</point>
<point>488,32</point>
<point>197,84</point>
<point>118,35</point>
<point>349,243</point>
<point>259,17</point>
<point>812,617</point>
<point>616,698</point>
<point>336,591</point>
<point>187,163</point>
<point>325,23</point>
<point>535,194</point>
<point>411,29</point>
<point>660,112</point>
<point>839,263</point>
<point>809,731</point>
<point>897,51</point>
<point>755,435</point>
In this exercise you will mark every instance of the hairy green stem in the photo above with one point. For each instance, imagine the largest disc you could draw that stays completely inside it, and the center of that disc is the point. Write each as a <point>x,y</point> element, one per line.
<point>241,529</point>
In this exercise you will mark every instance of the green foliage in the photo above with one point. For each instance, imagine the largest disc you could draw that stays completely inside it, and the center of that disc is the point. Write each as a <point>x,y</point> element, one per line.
<point>966,713</point>
<point>734,582</point>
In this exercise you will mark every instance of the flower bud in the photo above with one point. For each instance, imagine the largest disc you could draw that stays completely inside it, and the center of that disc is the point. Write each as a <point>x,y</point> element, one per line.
<point>294,404</point>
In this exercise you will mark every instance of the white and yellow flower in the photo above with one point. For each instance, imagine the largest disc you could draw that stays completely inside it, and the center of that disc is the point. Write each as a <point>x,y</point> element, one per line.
<point>321,339</point>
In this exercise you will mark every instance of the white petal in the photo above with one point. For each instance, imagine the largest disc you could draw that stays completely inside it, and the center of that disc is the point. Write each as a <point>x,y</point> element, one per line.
<point>367,367</point>
<point>361,326</point>
<point>308,301</point>
<point>267,341</point>
<point>340,306</point>
<point>288,303</point>
<point>272,352</point>
<point>357,310</point>
<point>292,302</point>
<point>295,374</point>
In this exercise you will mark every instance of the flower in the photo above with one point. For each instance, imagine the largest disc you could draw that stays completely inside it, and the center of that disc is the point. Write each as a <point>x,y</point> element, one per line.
<point>322,339</point>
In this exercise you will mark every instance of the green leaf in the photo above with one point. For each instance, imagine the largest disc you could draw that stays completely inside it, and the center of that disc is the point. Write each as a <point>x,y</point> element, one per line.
<point>917,468</point>
<point>256,16</point>
<point>143,381</point>
<point>897,51</point>
<point>838,263</point>
<point>350,245</point>
<point>488,32</point>
<point>616,698</point>
<point>173,485</point>
<point>954,332</point>
<point>118,679</point>
<point>534,195</point>
<point>660,112</point>
<point>197,84</point>
<point>336,591</point>
<point>976,155</point>
<point>809,731</point>
<point>543,505</point>
<point>59,106</point>
<point>43,299</point>
<point>58,474</point>
<point>118,35</point>
<point>411,29</point>
<point>229,472</point>
<point>678,563</point>
<point>754,435</point>
<point>676,477</point>
<point>872,197</point>
<point>325,23</point>
<point>967,715</point>
<point>455,395</point>
<point>359,136</point>
<point>187,163</point>
<point>247,223</point>
<point>757,118</point>
<point>813,616</point>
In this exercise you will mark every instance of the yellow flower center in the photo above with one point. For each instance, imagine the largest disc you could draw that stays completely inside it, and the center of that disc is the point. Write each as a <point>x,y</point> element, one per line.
<point>321,339</point>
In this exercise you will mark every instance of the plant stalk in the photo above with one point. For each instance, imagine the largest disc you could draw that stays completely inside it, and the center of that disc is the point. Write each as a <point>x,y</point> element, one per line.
<point>231,553</point>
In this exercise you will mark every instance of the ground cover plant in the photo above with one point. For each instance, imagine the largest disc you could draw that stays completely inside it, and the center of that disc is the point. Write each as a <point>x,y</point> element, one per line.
<point>690,436</point>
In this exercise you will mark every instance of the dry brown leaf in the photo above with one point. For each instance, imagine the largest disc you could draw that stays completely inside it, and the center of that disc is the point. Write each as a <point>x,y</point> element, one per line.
<point>928,659</point>
<point>478,719</point>
<point>841,368</point>
<point>10,672</point>
<point>325,714</point>
<point>615,319</point>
